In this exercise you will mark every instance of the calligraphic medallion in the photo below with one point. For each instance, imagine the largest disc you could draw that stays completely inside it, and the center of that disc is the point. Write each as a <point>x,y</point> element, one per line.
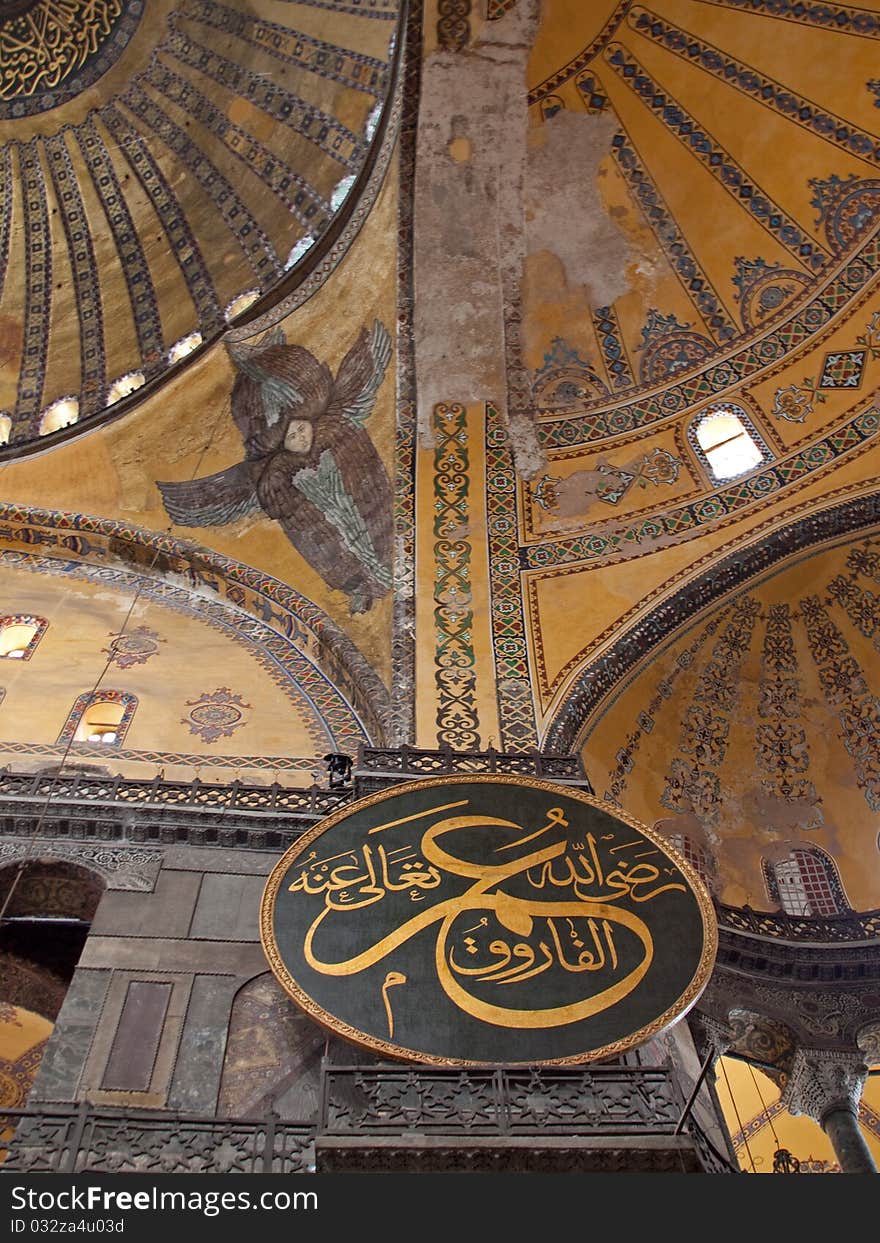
<point>51,50</point>
<point>486,920</point>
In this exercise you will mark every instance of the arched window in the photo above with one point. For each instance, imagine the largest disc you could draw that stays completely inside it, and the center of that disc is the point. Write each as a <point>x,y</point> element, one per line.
<point>100,718</point>
<point>805,882</point>
<point>697,856</point>
<point>19,635</point>
<point>62,413</point>
<point>184,346</point>
<point>727,442</point>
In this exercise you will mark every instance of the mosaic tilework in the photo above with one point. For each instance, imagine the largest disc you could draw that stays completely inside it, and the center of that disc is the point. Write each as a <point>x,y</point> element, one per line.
<point>776,344</point>
<point>770,93</point>
<point>870,338</point>
<point>625,757</point>
<point>254,243</point>
<point>565,378</point>
<point>361,73</point>
<point>862,607</point>
<point>591,91</point>
<point>597,683</point>
<point>780,740</point>
<point>191,759</point>
<point>668,346</point>
<point>87,287</point>
<point>189,26</point>
<point>692,783</point>
<point>403,654</point>
<point>309,690</point>
<point>314,274</point>
<point>180,238</point>
<point>379,9</point>
<point>325,131</point>
<point>453,27</point>
<point>763,289</point>
<point>299,197</point>
<point>847,692</point>
<point>675,246</point>
<point>458,721</point>
<point>290,616</point>
<point>516,712</point>
<point>104,695</point>
<point>687,519</point>
<point>215,714</point>
<point>835,17</point>
<point>613,350</point>
<point>731,175</point>
<point>847,206</point>
<point>141,291</point>
<point>843,369</point>
<point>582,60</point>
<point>38,286</point>
<point>5,211</point>
<point>132,647</point>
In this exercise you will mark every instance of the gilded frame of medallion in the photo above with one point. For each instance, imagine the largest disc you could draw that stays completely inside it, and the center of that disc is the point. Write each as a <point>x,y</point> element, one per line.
<point>364,1041</point>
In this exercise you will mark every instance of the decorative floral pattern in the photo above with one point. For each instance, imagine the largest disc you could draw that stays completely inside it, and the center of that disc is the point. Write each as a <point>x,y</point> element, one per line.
<point>847,692</point>
<point>780,741</point>
<point>215,714</point>
<point>132,648</point>
<point>455,660</point>
<point>692,783</point>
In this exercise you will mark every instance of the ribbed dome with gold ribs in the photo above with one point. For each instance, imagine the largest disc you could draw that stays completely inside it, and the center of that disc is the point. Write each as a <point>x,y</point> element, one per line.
<point>163,167</point>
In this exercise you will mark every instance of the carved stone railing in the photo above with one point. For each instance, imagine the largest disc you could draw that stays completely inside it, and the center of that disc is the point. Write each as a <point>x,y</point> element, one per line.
<point>86,806</point>
<point>82,1139</point>
<point>81,805</point>
<point>798,929</point>
<point>372,1106</point>
<point>410,762</point>
<point>603,1100</point>
<point>602,1107</point>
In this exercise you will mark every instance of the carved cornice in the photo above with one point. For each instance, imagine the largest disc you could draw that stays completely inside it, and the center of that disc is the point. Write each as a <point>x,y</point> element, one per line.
<point>121,867</point>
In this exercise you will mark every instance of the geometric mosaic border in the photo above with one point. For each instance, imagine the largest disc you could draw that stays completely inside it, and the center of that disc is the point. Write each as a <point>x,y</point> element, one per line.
<point>756,354</point>
<point>271,763</point>
<point>708,510</point>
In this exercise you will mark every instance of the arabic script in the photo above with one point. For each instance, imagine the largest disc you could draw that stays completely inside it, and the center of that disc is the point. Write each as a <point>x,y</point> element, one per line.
<point>528,903</point>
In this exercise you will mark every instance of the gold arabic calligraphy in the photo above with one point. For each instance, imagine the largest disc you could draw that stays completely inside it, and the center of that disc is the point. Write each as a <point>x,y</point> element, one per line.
<point>43,46</point>
<point>572,932</point>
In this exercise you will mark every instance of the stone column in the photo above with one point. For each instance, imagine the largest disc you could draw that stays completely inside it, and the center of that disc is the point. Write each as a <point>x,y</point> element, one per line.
<point>826,1085</point>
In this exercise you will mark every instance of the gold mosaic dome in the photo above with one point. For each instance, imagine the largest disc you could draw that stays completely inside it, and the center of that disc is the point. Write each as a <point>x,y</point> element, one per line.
<point>166,170</point>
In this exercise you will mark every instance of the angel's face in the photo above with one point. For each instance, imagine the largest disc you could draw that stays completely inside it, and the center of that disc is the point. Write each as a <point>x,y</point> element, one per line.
<point>299,436</point>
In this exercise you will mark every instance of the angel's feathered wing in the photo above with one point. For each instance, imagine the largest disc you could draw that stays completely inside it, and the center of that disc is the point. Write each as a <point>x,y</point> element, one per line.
<point>213,500</point>
<point>361,373</point>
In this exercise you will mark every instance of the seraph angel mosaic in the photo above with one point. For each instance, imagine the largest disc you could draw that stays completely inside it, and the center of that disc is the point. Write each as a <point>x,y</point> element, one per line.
<point>309,461</point>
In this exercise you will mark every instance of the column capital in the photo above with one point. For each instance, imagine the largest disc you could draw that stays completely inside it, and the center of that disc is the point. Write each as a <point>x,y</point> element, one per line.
<point>712,1034</point>
<point>823,1080</point>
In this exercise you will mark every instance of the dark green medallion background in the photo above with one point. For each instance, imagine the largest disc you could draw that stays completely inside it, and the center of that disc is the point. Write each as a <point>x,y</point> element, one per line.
<point>523,955</point>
